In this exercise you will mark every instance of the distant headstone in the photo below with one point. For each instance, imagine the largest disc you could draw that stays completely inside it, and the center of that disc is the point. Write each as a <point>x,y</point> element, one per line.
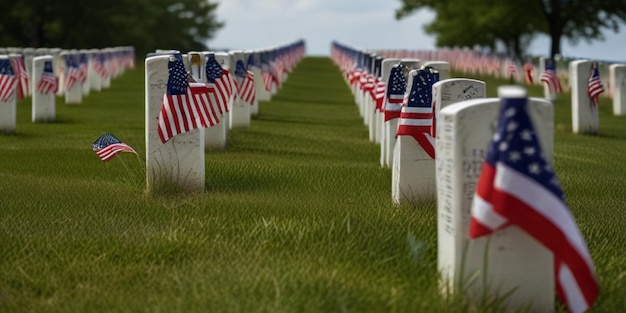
<point>388,137</point>
<point>8,96</point>
<point>509,265</point>
<point>585,119</point>
<point>240,113</point>
<point>442,67</point>
<point>619,89</point>
<point>179,162</point>
<point>72,86</point>
<point>44,84</point>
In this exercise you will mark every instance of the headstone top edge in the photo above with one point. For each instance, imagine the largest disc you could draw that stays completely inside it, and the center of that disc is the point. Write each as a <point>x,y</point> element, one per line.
<point>512,91</point>
<point>462,105</point>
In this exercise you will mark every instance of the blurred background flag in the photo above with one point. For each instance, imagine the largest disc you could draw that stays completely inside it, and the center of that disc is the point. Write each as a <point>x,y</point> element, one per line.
<point>22,76</point>
<point>108,146</point>
<point>8,82</point>
<point>48,83</point>
<point>594,87</point>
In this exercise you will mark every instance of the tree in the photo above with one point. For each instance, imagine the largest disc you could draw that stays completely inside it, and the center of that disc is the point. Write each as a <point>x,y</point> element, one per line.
<point>515,22</point>
<point>145,24</point>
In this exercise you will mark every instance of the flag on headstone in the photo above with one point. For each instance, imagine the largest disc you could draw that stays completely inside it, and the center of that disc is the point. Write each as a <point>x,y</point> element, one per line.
<point>108,146</point>
<point>221,79</point>
<point>99,65</point>
<point>594,87</point>
<point>550,77</point>
<point>245,83</point>
<point>417,116</point>
<point>518,187</point>
<point>83,70</point>
<point>22,76</point>
<point>512,69</point>
<point>48,83</point>
<point>528,73</point>
<point>186,105</point>
<point>8,81</point>
<point>378,94</point>
<point>395,92</point>
<point>72,72</point>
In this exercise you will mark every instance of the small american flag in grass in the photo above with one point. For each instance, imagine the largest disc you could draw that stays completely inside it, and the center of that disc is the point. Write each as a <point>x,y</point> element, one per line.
<point>108,146</point>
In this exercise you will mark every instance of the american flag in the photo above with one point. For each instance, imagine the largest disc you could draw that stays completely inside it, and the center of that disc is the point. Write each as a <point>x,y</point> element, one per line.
<point>108,146</point>
<point>268,80</point>
<point>22,76</point>
<point>221,79</point>
<point>99,65</point>
<point>512,69</point>
<point>518,187</point>
<point>48,83</point>
<point>186,106</point>
<point>528,73</point>
<point>72,72</point>
<point>594,87</point>
<point>245,83</point>
<point>417,116</point>
<point>83,70</point>
<point>8,81</point>
<point>395,92</point>
<point>378,94</point>
<point>549,77</point>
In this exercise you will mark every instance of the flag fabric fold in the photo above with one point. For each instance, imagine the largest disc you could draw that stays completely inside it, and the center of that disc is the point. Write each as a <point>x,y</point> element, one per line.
<point>221,79</point>
<point>518,187</point>
<point>416,116</point>
<point>550,78</point>
<point>186,106</point>
<point>594,87</point>
<point>48,82</point>
<point>108,146</point>
<point>8,81</point>
<point>395,92</point>
<point>22,77</point>
<point>245,83</point>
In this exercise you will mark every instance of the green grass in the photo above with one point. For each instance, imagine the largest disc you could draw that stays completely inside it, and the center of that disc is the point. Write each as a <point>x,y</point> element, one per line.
<point>296,216</point>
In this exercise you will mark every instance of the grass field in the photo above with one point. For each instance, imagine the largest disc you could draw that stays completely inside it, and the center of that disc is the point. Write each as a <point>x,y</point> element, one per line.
<point>296,216</point>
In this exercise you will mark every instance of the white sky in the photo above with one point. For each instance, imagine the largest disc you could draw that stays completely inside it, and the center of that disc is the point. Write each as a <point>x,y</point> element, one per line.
<point>366,24</point>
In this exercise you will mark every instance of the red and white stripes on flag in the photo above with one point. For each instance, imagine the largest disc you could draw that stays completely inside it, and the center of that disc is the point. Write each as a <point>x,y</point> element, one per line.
<point>518,187</point>
<point>378,95</point>
<point>8,81</point>
<point>269,80</point>
<point>246,90</point>
<point>47,84</point>
<point>22,77</point>
<point>224,86</point>
<point>528,73</point>
<point>594,87</point>
<point>73,76</point>
<point>184,112</point>
<point>417,122</point>
<point>112,150</point>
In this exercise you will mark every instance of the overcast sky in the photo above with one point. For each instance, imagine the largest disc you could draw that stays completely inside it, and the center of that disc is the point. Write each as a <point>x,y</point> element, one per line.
<point>366,24</point>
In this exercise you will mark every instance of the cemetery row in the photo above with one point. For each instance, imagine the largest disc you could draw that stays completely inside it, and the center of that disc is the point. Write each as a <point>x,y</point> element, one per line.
<point>488,163</point>
<point>193,99</point>
<point>44,73</point>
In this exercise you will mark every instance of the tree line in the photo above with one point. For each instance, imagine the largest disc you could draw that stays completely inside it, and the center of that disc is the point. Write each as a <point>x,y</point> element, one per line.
<point>147,25</point>
<point>514,23</point>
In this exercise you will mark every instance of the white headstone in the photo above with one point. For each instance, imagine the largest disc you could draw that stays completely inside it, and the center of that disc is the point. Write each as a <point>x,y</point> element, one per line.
<point>619,89</point>
<point>253,65</point>
<point>83,59</point>
<point>43,106</point>
<point>215,138</point>
<point>542,67</point>
<point>413,170</point>
<point>179,162</point>
<point>105,83</point>
<point>388,137</point>
<point>8,109</point>
<point>262,94</point>
<point>509,260</point>
<point>94,64</point>
<point>585,119</point>
<point>442,67</point>
<point>240,113</point>
<point>73,95</point>
<point>391,125</point>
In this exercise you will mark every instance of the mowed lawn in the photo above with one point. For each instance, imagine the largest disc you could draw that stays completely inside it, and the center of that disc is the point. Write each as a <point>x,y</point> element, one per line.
<point>296,215</point>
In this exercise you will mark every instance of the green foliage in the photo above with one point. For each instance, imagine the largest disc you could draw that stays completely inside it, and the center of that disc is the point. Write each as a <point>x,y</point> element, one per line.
<point>145,24</point>
<point>478,23</point>
<point>296,215</point>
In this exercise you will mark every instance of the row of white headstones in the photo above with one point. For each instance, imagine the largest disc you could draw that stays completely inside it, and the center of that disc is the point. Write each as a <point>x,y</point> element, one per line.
<point>179,162</point>
<point>466,122</point>
<point>44,105</point>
